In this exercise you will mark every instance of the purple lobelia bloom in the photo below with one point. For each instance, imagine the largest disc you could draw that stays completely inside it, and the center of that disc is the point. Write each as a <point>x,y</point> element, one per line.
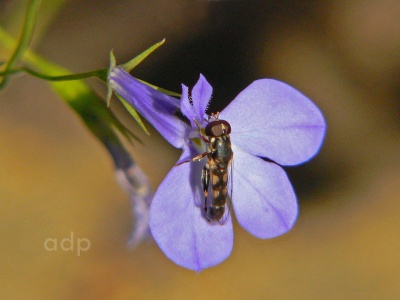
<point>268,119</point>
<point>135,182</point>
<point>158,108</point>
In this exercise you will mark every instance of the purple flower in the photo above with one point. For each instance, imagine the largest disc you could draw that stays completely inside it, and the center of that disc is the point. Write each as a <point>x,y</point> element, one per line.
<point>268,119</point>
<point>135,182</point>
<point>158,108</point>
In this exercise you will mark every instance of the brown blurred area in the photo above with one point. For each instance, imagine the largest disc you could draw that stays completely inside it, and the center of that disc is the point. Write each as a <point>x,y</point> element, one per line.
<point>57,180</point>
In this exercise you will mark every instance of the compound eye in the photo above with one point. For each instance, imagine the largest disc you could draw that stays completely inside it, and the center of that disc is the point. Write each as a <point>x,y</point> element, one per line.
<point>226,127</point>
<point>209,130</point>
<point>218,128</point>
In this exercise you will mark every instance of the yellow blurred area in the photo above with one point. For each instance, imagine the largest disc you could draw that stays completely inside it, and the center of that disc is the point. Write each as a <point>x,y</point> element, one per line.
<point>57,182</point>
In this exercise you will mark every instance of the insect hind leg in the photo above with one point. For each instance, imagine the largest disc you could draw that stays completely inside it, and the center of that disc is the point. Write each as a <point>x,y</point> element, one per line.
<point>205,181</point>
<point>228,206</point>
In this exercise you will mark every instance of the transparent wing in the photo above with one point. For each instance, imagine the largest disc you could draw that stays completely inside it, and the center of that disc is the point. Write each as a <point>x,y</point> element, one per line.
<point>228,206</point>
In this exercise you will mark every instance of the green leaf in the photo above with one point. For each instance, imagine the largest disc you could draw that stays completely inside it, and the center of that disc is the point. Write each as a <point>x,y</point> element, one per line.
<point>138,59</point>
<point>133,113</point>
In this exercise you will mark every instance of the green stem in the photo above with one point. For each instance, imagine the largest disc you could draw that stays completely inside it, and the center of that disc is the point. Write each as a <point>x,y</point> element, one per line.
<point>102,74</point>
<point>25,38</point>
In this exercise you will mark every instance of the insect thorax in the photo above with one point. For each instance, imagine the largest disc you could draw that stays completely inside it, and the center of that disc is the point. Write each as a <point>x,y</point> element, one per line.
<point>219,149</point>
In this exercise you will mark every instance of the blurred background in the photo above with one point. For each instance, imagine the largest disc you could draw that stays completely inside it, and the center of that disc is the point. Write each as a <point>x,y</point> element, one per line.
<point>57,181</point>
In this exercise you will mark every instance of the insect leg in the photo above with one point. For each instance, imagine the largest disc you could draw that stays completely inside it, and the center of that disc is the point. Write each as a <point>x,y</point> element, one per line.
<point>203,137</point>
<point>230,194</point>
<point>205,181</point>
<point>196,158</point>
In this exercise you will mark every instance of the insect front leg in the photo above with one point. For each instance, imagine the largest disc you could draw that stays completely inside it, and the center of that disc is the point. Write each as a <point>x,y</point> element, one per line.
<point>203,137</point>
<point>205,181</point>
<point>196,158</point>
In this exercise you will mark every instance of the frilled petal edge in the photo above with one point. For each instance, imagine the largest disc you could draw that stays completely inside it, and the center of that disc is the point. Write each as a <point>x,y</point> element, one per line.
<point>201,96</point>
<point>158,108</point>
<point>186,106</point>
<point>271,119</point>
<point>178,226</point>
<point>263,198</point>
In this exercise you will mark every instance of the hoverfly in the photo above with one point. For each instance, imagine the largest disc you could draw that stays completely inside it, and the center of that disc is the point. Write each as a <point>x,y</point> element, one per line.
<point>219,154</point>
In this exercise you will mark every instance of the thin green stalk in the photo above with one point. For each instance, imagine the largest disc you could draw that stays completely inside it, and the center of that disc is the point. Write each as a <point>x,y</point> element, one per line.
<point>102,74</point>
<point>24,39</point>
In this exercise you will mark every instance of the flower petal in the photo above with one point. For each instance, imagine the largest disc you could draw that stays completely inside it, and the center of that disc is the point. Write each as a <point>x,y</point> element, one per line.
<point>178,226</point>
<point>201,96</point>
<point>271,119</point>
<point>133,180</point>
<point>158,108</point>
<point>263,198</point>
<point>141,229</point>
<point>186,107</point>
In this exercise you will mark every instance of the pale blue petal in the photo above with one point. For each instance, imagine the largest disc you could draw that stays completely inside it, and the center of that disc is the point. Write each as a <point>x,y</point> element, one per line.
<point>271,119</point>
<point>141,230</point>
<point>178,225</point>
<point>133,180</point>
<point>158,108</point>
<point>201,96</point>
<point>263,198</point>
